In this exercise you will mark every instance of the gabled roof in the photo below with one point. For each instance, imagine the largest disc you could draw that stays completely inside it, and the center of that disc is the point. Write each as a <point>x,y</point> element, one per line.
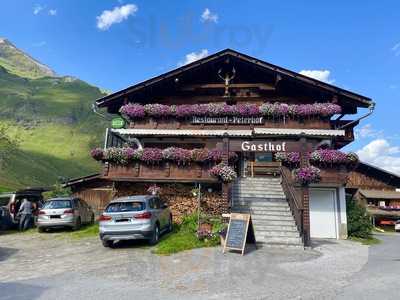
<point>379,173</point>
<point>359,100</point>
<point>378,194</point>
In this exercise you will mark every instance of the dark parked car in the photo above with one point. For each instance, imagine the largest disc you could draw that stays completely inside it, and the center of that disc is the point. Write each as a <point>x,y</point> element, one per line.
<point>11,201</point>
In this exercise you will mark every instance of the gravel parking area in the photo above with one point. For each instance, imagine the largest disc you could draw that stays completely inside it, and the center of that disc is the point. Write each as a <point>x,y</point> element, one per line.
<point>47,266</point>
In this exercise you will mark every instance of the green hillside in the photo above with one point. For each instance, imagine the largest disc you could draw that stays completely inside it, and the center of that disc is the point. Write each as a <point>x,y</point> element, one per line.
<point>53,119</point>
<point>20,63</point>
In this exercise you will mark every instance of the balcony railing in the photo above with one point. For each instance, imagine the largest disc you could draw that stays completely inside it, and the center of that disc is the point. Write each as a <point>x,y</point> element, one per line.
<point>140,171</point>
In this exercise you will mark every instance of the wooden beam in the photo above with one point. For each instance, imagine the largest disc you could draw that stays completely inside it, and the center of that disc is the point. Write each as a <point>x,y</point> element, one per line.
<point>260,86</point>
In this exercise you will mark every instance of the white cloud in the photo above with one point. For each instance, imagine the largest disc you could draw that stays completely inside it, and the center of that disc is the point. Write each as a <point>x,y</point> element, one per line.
<point>208,16</point>
<point>321,75</point>
<point>37,9</point>
<point>193,56</point>
<point>368,132</point>
<point>396,49</point>
<point>380,153</point>
<point>117,15</point>
<point>52,12</point>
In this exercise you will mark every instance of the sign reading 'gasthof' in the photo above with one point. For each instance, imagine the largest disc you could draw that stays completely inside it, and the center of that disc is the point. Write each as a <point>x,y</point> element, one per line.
<point>263,146</point>
<point>227,120</point>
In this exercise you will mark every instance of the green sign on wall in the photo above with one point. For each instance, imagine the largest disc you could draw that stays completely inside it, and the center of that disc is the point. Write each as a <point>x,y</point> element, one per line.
<point>117,123</point>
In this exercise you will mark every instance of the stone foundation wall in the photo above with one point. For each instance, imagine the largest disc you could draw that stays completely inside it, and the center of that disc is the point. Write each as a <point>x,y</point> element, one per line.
<point>179,197</point>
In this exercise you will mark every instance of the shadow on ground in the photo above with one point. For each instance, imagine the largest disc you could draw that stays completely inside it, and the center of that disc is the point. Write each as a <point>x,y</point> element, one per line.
<point>5,253</point>
<point>321,242</point>
<point>20,291</point>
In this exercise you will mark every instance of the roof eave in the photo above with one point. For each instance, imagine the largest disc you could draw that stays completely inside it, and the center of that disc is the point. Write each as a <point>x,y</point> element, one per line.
<point>364,101</point>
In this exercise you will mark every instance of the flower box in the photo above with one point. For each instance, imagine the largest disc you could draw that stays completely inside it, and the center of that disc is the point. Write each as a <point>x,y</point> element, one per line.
<point>172,171</point>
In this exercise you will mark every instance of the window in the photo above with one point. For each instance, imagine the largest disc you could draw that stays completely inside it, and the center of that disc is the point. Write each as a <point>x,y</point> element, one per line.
<point>4,200</point>
<point>157,203</point>
<point>125,207</point>
<point>56,204</point>
<point>264,157</point>
<point>76,203</point>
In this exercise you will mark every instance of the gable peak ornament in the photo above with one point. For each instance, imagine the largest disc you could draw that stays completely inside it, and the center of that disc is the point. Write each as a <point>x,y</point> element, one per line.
<point>227,77</point>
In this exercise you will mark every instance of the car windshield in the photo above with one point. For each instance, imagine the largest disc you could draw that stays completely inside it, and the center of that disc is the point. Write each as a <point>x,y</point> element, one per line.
<point>4,200</point>
<point>54,204</point>
<point>125,206</point>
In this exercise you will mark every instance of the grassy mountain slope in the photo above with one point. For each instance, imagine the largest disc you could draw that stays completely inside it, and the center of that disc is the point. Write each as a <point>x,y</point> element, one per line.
<point>52,116</point>
<point>20,63</point>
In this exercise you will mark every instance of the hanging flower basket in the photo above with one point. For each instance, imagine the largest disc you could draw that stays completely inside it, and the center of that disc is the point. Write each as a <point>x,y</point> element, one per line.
<point>223,172</point>
<point>307,175</point>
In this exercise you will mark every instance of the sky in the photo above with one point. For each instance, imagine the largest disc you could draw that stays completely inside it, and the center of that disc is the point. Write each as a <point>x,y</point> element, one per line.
<point>115,43</point>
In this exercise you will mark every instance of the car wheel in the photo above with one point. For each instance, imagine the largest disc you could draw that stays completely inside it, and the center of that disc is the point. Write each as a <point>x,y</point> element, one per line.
<point>170,224</point>
<point>156,235</point>
<point>77,224</point>
<point>107,244</point>
<point>41,229</point>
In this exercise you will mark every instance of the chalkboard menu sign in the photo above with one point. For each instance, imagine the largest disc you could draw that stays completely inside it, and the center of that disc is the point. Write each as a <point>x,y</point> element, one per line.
<point>240,231</point>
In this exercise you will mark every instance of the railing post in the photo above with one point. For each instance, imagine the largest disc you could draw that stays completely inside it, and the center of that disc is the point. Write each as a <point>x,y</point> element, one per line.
<point>225,160</point>
<point>305,195</point>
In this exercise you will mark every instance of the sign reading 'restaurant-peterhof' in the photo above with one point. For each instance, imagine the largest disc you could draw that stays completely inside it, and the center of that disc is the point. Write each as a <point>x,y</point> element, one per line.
<point>227,120</point>
<point>263,146</point>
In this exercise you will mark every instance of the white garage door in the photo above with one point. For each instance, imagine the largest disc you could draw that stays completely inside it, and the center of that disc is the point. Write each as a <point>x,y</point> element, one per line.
<point>323,213</point>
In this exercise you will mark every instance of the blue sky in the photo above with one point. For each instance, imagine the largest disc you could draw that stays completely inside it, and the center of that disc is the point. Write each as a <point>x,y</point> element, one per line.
<point>112,44</point>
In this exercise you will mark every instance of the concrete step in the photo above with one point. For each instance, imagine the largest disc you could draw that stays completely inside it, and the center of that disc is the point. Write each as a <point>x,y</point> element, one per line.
<point>266,222</point>
<point>277,228</point>
<point>259,190</point>
<point>264,244</point>
<point>256,202</point>
<point>273,233</point>
<point>263,210</point>
<point>258,195</point>
<point>261,185</point>
<point>257,179</point>
<point>280,240</point>
<point>281,217</point>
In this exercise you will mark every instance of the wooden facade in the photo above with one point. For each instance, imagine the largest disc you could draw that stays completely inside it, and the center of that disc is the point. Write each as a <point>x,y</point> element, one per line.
<point>231,78</point>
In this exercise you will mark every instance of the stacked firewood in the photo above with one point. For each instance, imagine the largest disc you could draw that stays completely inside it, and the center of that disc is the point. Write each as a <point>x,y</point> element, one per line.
<point>179,198</point>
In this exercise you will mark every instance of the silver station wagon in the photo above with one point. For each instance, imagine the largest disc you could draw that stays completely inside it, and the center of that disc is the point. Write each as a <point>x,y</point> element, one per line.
<point>134,217</point>
<point>64,212</point>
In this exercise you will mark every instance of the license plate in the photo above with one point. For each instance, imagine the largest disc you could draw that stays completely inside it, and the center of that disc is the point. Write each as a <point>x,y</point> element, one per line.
<point>55,217</point>
<point>122,220</point>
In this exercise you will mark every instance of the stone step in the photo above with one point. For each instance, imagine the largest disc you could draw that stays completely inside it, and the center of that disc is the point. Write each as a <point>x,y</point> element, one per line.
<point>258,182</point>
<point>264,244</point>
<point>263,210</point>
<point>276,217</point>
<point>276,228</point>
<point>266,222</point>
<point>258,179</point>
<point>261,184</point>
<point>260,190</point>
<point>271,233</point>
<point>280,240</point>
<point>258,195</point>
<point>255,202</point>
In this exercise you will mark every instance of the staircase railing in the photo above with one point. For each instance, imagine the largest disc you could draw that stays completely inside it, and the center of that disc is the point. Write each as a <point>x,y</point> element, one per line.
<point>293,197</point>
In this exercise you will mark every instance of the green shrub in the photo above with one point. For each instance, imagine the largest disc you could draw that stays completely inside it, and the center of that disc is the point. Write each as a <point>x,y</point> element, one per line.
<point>358,220</point>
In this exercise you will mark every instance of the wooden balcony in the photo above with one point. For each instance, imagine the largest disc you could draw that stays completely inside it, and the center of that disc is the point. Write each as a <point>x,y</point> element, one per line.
<point>152,123</point>
<point>163,172</point>
<point>335,176</point>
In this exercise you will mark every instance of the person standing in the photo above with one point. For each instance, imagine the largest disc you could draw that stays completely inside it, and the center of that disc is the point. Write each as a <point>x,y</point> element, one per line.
<point>25,212</point>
